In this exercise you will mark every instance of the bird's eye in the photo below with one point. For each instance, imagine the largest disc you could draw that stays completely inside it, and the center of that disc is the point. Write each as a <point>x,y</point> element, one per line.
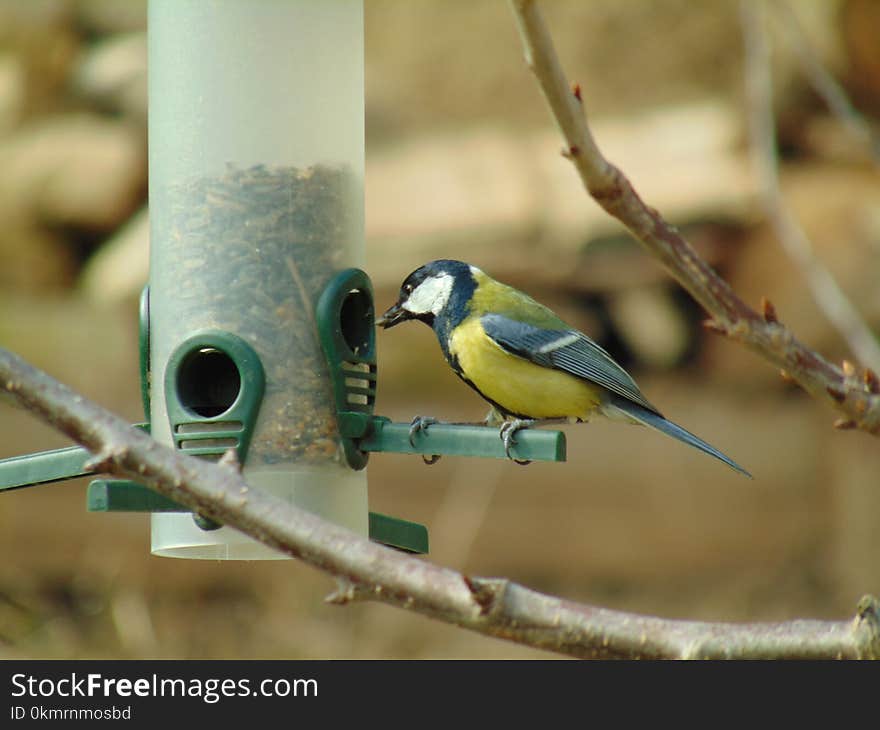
<point>408,288</point>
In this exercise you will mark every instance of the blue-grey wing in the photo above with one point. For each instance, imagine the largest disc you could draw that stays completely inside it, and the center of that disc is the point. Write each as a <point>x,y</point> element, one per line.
<point>563,349</point>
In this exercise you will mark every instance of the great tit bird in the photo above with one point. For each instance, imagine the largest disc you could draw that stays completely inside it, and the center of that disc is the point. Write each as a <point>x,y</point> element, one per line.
<point>522,358</point>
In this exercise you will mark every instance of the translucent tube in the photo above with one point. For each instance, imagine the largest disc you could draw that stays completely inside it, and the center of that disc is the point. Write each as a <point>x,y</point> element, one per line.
<point>256,133</point>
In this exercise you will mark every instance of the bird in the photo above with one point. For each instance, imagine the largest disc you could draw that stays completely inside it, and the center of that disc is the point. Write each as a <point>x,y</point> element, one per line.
<point>521,357</point>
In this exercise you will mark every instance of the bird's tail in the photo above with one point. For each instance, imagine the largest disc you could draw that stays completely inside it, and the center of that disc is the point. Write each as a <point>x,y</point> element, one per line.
<point>633,411</point>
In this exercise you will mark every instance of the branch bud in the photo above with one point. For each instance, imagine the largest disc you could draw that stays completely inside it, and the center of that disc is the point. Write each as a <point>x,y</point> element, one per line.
<point>769,311</point>
<point>482,591</point>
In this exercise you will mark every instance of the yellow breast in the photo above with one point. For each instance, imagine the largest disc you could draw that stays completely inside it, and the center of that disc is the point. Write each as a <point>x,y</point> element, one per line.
<point>517,385</point>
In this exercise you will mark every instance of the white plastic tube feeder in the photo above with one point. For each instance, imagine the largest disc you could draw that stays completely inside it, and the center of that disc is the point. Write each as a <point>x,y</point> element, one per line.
<point>256,136</point>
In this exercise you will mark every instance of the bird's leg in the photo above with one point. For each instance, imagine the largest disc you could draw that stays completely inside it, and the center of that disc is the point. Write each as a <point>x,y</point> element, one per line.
<point>420,424</point>
<point>494,417</point>
<point>507,433</point>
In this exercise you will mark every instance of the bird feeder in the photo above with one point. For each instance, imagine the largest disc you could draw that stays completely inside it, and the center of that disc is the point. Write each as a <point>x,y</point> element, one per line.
<point>257,326</point>
<point>256,200</point>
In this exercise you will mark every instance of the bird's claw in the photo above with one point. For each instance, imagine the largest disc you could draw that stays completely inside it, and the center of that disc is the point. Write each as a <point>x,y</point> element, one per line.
<point>417,425</point>
<point>507,433</point>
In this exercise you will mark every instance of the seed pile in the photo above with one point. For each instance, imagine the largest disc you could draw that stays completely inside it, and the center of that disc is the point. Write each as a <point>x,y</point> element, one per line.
<point>259,245</point>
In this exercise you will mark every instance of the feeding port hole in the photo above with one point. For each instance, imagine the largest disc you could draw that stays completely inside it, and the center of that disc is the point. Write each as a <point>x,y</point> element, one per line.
<point>208,382</point>
<point>356,321</point>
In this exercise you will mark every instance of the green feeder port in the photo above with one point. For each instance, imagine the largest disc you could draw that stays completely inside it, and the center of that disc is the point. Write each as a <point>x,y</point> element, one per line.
<point>214,385</point>
<point>347,332</point>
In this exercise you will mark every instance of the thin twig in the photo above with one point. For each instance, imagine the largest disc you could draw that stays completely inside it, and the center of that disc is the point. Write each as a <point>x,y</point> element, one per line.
<point>850,390</point>
<point>823,82</point>
<point>368,571</point>
<point>762,131</point>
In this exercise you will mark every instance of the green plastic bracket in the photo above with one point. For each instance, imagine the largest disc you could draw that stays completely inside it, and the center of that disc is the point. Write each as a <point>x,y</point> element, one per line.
<point>410,537</point>
<point>43,468</point>
<point>111,495</point>
<point>214,384</point>
<point>46,467</point>
<point>119,495</point>
<point>463,440</point>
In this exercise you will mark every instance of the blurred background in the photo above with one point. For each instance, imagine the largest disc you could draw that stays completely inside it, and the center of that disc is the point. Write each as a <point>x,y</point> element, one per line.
<point>463,161</point>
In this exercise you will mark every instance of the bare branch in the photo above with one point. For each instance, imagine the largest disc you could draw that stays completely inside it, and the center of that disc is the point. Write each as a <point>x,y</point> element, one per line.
<point>729,314</point>
<point>828,295</point>
<point>367,571</point>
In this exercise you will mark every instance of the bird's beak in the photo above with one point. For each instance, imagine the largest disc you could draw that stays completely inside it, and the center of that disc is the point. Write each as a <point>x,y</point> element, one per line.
<point>395,315</point>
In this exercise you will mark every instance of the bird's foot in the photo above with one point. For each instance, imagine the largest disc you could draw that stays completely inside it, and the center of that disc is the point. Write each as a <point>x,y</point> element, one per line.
<point>507,432</point>
<point>420,424</point>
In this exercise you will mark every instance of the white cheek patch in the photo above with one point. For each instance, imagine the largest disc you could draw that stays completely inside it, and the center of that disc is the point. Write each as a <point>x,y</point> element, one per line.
<point>430,296</point>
